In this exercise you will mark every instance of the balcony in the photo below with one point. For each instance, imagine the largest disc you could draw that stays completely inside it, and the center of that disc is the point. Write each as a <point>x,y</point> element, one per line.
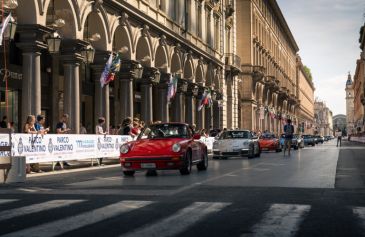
<point>233,61</point>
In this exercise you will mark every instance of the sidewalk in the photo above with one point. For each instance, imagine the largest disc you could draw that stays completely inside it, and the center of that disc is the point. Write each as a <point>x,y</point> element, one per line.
<point>350,172</point>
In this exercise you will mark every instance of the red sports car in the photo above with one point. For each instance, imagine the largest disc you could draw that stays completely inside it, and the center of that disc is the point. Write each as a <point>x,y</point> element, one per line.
<point>164,146</point>
<point>269,142</point>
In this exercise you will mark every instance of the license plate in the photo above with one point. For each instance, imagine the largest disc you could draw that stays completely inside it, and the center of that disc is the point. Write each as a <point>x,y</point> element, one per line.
<point>148,165</point>
<point>264,149</point>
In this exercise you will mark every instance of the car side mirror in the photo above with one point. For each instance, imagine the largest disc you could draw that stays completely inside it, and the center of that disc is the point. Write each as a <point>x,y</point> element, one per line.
<point>196,136</point>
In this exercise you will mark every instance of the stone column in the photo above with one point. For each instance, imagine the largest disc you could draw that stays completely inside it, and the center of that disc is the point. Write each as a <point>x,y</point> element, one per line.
<point>55,90</point>
<point>229,103</point>
<point>101,98</point>
<point>178,104</point>
<point>162,107</point>
<point>200,115</point>
<point>126,76</point>
<point>31,43</point>
<point>71,57</point>
<point>190,111</point>
<point>150,76</point>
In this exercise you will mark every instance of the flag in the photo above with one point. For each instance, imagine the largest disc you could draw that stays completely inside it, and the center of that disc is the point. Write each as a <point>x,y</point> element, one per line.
<point>114,68</point>
<point>171,88</point>
<point>4,26</point>
<point>206,99</point>
<point>106,71</point>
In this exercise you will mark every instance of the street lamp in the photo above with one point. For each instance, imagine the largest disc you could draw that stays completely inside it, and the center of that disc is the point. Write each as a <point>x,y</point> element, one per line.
<point>53,42</point>
<point>138,71</point>
<point>88,54</point>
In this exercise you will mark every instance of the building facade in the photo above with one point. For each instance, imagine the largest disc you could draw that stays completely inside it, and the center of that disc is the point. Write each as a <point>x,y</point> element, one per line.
<point>339,123</point>
<point>350,105</point>
<point>305,92</point>
<point>193,40</point>
<point>358,85</point>
<point>266,46</point>
<point>323,119</point>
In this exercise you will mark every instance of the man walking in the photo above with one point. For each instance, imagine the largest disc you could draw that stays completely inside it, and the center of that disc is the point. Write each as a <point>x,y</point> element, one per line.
<point>339,137</point>
<point>288,132</point>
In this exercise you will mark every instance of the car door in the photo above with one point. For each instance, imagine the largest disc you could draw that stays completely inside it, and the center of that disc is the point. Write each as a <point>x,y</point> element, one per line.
<point>195,147</point>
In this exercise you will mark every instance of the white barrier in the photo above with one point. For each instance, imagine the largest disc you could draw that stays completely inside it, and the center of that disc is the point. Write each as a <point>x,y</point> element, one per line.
<point>56,147</point>
<point>358,139</point>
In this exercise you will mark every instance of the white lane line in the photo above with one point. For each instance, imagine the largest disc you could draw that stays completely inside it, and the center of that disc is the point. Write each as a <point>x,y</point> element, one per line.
<point>36,208</point>
<point>4,201</point>
<point>280,220</point>
<point>360,212</point>
<point>178,222</point>
<point>62,226</point>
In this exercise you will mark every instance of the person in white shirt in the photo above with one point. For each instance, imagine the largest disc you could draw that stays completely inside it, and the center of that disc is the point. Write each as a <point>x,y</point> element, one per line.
<point>339,136</point>
<point>99,129</point>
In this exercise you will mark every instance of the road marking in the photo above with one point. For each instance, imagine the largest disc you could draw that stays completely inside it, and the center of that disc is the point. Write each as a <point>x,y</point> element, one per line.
<point>36,208</point>
<point>62,226</point>
<point>4,201</point>
<point>360,212</point>
<point>280,220</point>
<point>180,221</point>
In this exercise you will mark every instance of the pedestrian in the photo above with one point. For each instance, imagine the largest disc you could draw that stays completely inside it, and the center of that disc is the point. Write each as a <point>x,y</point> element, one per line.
<point>39,125</point>
<point>338,134</point>
<point>29,128</point>
<point>99,129</point>
<point>135,130</point>
<point>288,133</point>
<point>4,122</point>
<point>12,128</point>
<point>82,129</point>
<point>193,128</point>
<point>126,130</point>
<point>61,128</point>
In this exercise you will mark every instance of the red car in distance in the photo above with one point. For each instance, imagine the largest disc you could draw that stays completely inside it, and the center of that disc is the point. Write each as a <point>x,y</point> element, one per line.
<point>164,146</point>
<point>269,142</point>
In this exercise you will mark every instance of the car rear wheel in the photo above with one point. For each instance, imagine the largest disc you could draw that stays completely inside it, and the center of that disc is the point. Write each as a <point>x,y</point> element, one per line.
<point>187,165</point>
<point>203,165</point>
<point>129,173</point>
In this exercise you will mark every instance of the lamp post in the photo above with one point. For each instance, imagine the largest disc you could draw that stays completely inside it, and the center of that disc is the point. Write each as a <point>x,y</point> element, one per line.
<point>88,53</point>
<point>53,41</point>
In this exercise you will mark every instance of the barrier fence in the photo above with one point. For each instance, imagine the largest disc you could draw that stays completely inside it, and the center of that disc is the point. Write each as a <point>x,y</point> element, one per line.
<point>56,147</point>
<point>358,139</point>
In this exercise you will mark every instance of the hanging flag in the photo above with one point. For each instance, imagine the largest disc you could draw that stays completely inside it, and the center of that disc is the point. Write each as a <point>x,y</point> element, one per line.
<point>171,87</point>
<point>3,27</point>
<point>114,68</point>
<point>106,71</point>
<point>206,99</point>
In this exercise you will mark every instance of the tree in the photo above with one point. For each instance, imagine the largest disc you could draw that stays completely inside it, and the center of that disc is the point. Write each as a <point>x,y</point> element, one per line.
<point>308,72</point>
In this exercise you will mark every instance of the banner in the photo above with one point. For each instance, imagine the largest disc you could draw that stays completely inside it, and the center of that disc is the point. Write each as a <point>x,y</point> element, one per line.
<point>57,147</point>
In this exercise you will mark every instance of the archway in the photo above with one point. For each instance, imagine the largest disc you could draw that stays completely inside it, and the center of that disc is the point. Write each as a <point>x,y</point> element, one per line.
<point>122,42</point>
<point>188,70</point>
<point>161,60</point>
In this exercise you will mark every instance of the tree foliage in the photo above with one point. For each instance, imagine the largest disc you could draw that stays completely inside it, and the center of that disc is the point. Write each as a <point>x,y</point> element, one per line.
<point>308,72</point>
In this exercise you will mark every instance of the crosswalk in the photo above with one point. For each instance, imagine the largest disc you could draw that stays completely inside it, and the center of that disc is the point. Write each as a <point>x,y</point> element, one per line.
<point>278,219</point>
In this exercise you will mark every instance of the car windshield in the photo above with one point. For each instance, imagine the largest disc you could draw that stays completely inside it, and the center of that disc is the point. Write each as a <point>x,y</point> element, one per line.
<point>267,136</point>
<point>158,131</point>
<point>235,135</point>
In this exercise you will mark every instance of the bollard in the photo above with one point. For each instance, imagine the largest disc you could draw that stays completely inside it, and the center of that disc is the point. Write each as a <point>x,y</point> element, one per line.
<point>16,172</point>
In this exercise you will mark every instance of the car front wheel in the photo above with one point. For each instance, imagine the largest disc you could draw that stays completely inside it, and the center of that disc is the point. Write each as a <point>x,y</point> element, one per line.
<point>129,173</point>
<point>187,165</point>
<point>251,152</point>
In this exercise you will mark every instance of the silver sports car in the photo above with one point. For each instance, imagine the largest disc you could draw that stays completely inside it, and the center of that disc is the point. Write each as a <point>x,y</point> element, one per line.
<point>236,143</point>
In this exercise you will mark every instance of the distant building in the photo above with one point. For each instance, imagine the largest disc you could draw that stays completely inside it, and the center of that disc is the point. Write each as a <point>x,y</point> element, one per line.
<point>323,124</point>
<point>339,122</point>
<point>350,105</point>
<point>358,86</point>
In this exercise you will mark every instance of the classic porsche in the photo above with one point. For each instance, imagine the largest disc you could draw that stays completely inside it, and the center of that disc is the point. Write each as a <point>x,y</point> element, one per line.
<point>269,142</point>
<point>164,146</point>
<point>236,143</point>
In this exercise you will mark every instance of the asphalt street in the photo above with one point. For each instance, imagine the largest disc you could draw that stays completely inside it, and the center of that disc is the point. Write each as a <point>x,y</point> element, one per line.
<point>316,191</point>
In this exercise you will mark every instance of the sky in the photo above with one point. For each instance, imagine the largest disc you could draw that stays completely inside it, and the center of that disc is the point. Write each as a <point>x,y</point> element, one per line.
<point>327,33</point>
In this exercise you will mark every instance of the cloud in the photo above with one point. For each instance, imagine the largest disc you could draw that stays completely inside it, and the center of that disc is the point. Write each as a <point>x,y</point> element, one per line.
<point>327,33</point>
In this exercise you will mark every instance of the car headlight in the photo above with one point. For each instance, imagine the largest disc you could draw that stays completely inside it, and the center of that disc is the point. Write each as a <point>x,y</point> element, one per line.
<point>124,149</point>
<point>176,147</point>
<point>245,143</point>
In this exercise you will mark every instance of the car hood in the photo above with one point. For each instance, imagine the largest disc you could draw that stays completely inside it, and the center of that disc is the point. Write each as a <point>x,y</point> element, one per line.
<point>230,143</point>
<point>152,147</point>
